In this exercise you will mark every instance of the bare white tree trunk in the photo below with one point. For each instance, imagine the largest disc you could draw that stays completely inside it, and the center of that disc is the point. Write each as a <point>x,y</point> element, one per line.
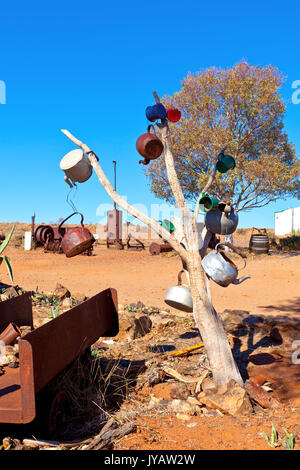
<point>209,324</point>
<point>229,239</point>
<point>211,328</point>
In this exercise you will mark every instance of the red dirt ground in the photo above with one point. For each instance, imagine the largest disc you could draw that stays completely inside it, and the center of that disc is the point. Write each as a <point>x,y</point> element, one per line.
<point>273,287</point>
<point>272,290</point>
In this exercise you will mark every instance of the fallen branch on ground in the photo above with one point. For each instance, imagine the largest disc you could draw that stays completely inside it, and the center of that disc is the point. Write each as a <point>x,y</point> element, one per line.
<point>110,433</point>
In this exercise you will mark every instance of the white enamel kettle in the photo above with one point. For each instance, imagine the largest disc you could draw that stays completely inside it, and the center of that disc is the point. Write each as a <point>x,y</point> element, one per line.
<point>76,167</point>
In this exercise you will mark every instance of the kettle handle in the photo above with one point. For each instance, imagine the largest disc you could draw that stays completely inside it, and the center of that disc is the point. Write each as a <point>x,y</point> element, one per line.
<point>81,222</point>
<point>235,249</point>
<point>180,277</point>
<point>148,129</point>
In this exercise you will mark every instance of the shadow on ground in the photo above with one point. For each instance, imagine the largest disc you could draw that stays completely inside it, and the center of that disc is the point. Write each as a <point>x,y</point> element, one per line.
<point>291,307</point>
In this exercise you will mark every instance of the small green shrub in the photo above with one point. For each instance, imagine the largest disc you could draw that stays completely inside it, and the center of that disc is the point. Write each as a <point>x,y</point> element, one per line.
<point>54,312</point>
<point>289,441</point>
<point>273,439</point>
<point>291,243</point>
<point>241,231</point>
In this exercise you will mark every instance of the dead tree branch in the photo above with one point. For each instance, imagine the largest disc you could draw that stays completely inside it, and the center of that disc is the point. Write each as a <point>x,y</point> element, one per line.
<point>119,201</point>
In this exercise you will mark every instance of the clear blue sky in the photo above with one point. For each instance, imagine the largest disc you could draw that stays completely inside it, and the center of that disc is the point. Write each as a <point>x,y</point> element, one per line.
<point>91,67</point>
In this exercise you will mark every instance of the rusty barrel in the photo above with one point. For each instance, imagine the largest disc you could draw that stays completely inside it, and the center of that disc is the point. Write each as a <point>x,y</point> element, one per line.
<point>156,248</point>
<point>259,242</point>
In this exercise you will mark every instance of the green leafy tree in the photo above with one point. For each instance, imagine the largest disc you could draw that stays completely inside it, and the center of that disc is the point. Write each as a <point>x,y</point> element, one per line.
<point>240,108</point>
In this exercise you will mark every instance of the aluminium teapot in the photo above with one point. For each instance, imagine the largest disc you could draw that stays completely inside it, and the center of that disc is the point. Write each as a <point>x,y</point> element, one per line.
<point>223,220</point>
<point>179,296</point>
<point>220,268</point>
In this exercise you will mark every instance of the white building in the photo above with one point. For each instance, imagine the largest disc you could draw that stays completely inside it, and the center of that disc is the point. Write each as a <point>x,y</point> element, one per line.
<point>287,221</point>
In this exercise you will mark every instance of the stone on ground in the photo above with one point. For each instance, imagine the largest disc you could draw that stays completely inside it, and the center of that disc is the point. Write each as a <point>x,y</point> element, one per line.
<point>231,399</point>
<point>61,292</point>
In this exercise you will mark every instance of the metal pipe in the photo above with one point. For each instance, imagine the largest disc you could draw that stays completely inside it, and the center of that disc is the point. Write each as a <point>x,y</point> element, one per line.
<point>115,172</point>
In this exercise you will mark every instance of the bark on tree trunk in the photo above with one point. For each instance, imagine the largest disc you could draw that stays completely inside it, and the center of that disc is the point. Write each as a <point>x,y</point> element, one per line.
<point>209,324</point>
<point>211,328</point>
<point>228,238</point>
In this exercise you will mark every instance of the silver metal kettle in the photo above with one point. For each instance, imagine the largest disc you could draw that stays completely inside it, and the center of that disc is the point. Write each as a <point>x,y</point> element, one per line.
<point>179,296</point>
<point>223,220</point>
<point>220,268</point>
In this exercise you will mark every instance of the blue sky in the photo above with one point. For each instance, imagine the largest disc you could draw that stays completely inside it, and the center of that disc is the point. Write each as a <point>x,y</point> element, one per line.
<point>91,67</point>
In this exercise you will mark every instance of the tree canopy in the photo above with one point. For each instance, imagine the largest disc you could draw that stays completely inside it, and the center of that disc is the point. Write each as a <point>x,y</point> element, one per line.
<point>240,108</point>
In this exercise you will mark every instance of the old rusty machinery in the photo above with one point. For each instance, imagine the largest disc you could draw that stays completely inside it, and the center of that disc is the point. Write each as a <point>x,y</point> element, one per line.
<point>138,246</point>
<point>157,248</point>
<point>51,237</point>
<point>48,237</point>
<point>43,233</point>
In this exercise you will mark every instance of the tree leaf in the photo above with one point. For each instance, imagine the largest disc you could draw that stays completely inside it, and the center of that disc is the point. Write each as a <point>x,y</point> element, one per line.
<point>6,241</point>
<point>9,268</point>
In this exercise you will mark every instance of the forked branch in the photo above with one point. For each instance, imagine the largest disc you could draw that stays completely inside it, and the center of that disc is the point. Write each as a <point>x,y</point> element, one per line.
<point>119,201</point>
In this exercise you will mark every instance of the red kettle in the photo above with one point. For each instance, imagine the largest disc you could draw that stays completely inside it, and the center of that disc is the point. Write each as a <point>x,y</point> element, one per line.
<point>149,146</point>
<point>75,240</point>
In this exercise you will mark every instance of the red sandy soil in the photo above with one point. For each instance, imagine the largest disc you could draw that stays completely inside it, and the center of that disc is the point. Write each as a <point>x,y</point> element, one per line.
<point>211,433</point>
<point>273,287</point>
<point>272,290</point>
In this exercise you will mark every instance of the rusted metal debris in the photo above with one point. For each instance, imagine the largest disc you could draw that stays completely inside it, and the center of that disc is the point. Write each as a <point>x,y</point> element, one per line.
<point>157,248</point>
<point>51,237</point>
<point>75,240</point>
<point>140,245</point>
<point>11,332</point>
<point>49,349</point>
<point>42,233</point>
<point>17,310</point>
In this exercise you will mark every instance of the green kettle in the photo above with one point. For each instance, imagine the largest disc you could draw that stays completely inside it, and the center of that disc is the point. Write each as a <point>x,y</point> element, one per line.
<point>225,162</point>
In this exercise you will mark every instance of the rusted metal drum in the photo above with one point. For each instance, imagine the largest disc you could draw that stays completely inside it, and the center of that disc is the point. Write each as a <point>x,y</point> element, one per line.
<point>43,232</point>
<point>259,243</point>
<point>156,248</point>
<point>75,240</point>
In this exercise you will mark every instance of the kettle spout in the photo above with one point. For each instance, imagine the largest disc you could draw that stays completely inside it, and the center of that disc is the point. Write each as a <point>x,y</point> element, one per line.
<point>67,180</point>
<point>242,279</point>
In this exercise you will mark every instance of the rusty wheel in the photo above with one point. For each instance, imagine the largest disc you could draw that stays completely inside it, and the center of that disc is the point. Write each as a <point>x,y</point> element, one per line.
<point>59,412</point>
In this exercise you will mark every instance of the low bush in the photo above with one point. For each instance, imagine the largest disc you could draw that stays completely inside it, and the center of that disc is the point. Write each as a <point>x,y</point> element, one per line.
<point>291,243</point>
